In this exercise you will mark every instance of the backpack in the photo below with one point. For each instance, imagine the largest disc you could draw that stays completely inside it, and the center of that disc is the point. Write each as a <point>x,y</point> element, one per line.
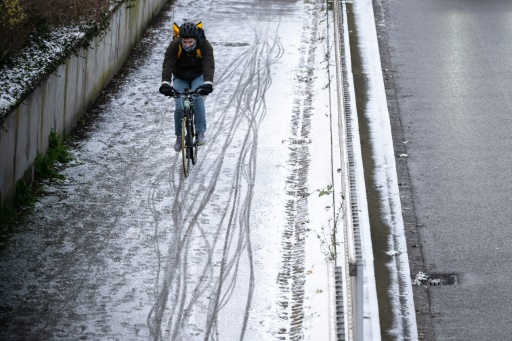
<point>200,35</point>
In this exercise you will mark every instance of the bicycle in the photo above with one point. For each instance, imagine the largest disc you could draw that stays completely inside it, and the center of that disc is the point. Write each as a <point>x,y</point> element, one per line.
<point>188,129</point>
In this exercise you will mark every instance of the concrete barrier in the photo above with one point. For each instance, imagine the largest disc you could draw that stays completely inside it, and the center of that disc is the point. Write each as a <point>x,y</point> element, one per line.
<point>63,97</point>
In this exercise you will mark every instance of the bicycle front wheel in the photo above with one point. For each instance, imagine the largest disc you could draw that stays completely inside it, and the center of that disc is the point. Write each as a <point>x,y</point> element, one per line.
<point>193,142</point>
<point>184,147</point>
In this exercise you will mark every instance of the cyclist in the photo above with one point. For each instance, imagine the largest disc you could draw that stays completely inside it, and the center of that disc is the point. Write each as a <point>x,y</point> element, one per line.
<point>189,64</point>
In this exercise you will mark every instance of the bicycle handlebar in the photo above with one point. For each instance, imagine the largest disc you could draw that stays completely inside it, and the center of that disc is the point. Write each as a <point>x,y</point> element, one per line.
<point>194,93</point>
<point>187,93</point>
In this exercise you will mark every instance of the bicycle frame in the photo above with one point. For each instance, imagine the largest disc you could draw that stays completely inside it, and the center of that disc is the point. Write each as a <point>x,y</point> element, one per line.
<point>188,130</point>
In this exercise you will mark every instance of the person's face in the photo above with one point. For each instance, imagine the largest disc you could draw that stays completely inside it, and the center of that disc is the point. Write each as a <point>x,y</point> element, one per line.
<point>186,42</point>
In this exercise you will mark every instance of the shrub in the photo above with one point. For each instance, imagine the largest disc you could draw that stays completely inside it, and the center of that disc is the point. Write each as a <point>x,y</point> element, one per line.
<point>44,165</point>
<point>22,19</point>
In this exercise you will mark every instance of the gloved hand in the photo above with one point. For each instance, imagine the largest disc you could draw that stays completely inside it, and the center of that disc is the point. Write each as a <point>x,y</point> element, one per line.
<point>205,89</point>
<point>167,90</point>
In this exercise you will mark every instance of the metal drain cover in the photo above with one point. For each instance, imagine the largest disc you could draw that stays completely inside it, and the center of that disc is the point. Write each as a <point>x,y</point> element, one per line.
<point>435,279</point>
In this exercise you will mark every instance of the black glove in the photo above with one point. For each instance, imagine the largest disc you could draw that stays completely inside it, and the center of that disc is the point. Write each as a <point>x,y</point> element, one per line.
<point>167,90</point>
<point>205,89</point>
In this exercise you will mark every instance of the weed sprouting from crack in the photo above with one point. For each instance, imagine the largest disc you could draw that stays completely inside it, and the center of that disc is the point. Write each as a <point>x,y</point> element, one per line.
<point>328,235</point>
<point>325,191</point>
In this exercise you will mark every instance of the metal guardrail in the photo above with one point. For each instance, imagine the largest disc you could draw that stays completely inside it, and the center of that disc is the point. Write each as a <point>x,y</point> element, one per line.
<point>346,262</point>
<point>349,284</point>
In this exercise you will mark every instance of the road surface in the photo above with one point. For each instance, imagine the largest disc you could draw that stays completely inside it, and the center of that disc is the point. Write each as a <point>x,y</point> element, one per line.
<point>448,74</point>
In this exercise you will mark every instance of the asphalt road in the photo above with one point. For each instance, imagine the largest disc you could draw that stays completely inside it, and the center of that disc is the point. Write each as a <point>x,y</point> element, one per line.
<point>451,73</point>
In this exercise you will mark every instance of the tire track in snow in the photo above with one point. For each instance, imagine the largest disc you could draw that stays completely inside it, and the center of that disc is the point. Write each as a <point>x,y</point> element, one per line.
<point>252,107</point>
<point>219,276</point>
<point>291,278</point>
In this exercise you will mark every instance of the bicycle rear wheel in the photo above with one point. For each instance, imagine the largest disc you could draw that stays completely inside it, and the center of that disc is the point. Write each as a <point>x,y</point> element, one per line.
<point>184,147</point>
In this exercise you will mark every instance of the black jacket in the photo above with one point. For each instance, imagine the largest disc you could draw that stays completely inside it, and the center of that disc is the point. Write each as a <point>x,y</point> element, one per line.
<point>189,65</point>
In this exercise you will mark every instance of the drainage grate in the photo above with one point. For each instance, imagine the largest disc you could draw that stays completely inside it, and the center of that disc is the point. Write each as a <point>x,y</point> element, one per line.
<point>435,279</point>
<point>340,320</point>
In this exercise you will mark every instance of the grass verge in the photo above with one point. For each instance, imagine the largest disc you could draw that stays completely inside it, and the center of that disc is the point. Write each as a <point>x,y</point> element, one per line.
<point>46,167</point>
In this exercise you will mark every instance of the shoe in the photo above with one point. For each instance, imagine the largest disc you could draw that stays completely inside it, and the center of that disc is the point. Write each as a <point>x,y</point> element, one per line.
<point>177,145</point>
<point>201,139</point>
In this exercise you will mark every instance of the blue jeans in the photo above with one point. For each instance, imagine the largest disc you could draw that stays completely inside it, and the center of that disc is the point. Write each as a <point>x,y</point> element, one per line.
<point>200,120</point>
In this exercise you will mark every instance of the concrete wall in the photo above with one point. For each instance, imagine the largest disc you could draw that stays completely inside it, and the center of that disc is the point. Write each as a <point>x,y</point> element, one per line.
<point>60,100</point>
